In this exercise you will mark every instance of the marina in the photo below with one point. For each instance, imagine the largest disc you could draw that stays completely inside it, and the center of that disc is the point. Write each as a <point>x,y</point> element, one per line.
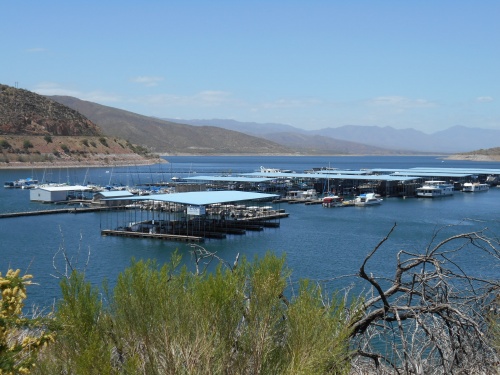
<point>320,242</point>
<point>200,207</point>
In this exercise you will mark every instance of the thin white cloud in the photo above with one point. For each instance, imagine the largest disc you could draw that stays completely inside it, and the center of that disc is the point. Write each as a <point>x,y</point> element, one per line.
<point>36,50</point>
<point>147,81</point>
<point>484,99</point>
<point>400,102</point>
<point>206,98</point>
<point>291,103</point>
<point>51,88</point>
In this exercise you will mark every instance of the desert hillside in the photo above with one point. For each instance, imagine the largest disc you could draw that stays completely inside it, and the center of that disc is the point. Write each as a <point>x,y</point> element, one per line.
<point>36,131</point>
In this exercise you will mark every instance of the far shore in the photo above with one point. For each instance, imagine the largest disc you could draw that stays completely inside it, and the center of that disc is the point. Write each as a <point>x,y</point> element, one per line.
<point>130,162</point>
<point>125,162</point>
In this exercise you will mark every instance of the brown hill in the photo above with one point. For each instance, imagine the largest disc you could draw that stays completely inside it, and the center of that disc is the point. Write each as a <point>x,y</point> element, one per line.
<point>169,137</point>
<point>36,131</point>
<point>23,112</point>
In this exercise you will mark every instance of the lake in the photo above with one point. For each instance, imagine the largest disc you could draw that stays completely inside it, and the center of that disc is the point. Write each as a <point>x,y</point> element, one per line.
<point>321,244</point>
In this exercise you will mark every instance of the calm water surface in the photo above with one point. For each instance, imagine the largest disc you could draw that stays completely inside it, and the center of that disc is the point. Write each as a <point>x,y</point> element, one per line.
<point>321,244</point>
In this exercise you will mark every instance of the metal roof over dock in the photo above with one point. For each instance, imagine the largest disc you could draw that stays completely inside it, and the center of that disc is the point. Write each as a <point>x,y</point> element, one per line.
<point>334,176</point>
<point>342,172</point>
<point>440,171</point>
<point>463,170</point>
<point>203,198</point>
<point>115,194</point>
<point>415,173</point>
<point>64,188</point>
<point>228,179</point>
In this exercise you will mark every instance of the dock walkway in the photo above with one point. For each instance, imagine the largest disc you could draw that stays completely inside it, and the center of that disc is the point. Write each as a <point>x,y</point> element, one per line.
<point>168,237</point>
<point>74,210</point>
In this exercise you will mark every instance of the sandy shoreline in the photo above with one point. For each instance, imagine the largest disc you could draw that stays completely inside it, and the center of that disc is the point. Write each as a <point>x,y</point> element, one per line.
<point>475,157</point>
<point>118,161</point>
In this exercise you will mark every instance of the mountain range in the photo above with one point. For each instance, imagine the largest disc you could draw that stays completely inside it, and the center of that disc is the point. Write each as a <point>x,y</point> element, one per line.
<point>456,139</point>
<point>171,137</point>
<point>24,113</point>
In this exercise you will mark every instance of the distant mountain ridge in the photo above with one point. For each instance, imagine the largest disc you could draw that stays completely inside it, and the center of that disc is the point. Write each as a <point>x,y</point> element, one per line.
<point>452,140</point>
<point>172,138</point>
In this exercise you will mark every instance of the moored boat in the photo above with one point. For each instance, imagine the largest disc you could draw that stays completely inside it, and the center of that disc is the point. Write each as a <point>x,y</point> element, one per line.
<point>435,189</point>
<point>24,183</point>
<point>333,201</point>
<point>368,199</point>
<point>474,187</point>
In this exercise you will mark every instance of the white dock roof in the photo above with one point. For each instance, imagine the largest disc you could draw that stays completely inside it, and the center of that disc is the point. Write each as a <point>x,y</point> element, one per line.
<point>228,178</point>
<point>65,188</point>
<point>115,193</point>
<point>334,176</point>
<point>203,198</point>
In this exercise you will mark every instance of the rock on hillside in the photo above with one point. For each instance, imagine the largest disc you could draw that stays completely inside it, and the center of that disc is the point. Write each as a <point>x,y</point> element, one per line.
<point>23,112</point>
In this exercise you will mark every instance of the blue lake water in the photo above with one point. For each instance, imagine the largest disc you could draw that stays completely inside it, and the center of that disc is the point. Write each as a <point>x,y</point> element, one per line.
<point>321,244</point>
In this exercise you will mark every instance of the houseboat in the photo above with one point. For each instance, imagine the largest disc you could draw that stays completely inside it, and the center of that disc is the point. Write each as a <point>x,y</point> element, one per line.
<point>474,187</point>
<point>302,195</point>
<point>435,189</point>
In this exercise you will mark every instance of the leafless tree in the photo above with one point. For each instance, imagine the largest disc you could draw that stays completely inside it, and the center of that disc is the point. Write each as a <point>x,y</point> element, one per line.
<point>432,316</point>
<point>70,262</point>
<point>203,258</point>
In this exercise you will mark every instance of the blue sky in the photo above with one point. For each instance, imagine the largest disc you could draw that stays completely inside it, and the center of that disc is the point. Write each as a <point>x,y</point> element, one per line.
<point>427,65</point>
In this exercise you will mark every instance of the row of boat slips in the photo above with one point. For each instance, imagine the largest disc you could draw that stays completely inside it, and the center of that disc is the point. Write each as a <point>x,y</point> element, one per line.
<point>387,173</point>
<point>194,216</point>
<point>304,176</point>
<point>344,184</point>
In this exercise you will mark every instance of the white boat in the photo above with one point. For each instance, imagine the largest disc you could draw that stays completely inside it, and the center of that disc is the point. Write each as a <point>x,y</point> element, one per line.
<point>473,187</point>
<point>368,199</point>
<point>333,201</point>
<point>274,170</point>
<point>435,189</point>
<point>492,180</point>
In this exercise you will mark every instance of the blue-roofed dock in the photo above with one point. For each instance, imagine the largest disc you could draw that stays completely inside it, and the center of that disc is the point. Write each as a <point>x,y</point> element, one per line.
<point>196,216</point>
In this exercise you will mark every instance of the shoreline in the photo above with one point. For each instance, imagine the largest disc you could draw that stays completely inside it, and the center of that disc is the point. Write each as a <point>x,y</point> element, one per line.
<point>128,162</point>
<point>125,162</point>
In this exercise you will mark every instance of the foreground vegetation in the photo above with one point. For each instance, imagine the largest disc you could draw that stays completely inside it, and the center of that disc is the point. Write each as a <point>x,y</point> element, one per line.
<point>248,318</point>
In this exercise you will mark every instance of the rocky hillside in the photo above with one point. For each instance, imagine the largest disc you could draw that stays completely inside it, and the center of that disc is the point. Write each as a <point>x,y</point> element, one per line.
<point>36,131</point>
<point>489,154</point>
<point>25,113</point>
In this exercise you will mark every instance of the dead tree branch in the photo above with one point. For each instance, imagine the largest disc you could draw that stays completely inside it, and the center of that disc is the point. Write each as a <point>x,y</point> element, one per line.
<point>431,316</point>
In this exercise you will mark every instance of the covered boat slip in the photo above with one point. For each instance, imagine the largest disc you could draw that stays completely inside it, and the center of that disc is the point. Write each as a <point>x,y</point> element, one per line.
<point>386,181</point>
<point>350,183</point>
<point>194,216</point>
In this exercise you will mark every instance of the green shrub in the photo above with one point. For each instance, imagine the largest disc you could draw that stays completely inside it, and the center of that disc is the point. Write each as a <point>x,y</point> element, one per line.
<point>166,320</point>
<point>5,144</point>
<point>103,141</point>
<point>48,138</point>
<point>27,144</point>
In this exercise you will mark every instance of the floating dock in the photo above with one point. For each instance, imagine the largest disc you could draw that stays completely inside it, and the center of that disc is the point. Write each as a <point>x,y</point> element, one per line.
<point>72,210</point>
<point>167,237</point>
